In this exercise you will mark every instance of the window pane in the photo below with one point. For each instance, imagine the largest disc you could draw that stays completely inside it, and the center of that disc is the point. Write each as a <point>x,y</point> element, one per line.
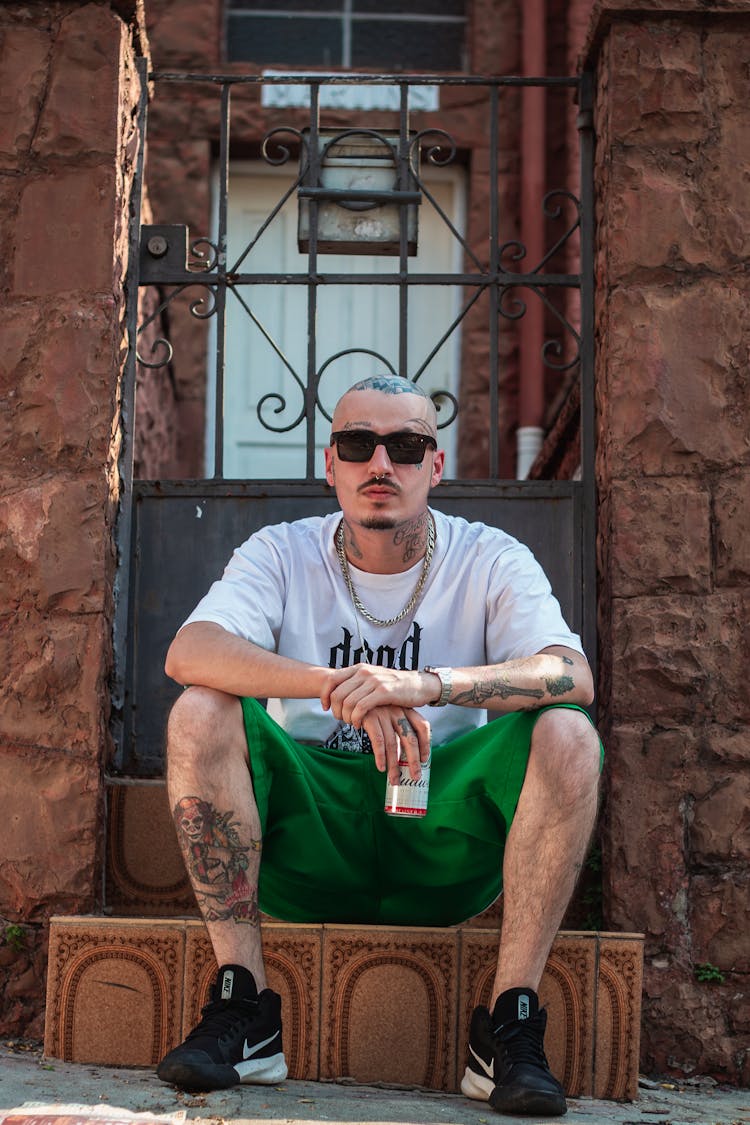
<point>284,42</point>
<point>435,8</point>
<point>409,46</point>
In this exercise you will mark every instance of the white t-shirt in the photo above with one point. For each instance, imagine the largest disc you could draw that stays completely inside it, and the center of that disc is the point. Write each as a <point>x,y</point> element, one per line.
<point>486,600</point>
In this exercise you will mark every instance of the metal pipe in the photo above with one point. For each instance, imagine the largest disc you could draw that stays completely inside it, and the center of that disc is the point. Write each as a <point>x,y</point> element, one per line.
<point>533,169</point>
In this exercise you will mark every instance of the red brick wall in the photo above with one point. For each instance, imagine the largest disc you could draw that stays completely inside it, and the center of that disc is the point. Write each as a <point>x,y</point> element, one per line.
<point>673,336</point>
<point>67,145</point>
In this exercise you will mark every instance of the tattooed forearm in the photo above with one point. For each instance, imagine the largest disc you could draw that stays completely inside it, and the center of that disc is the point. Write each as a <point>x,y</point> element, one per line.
<point>560,685</point>
<point>217,861</point>
<point>497,688</point>
<point>484,691</point>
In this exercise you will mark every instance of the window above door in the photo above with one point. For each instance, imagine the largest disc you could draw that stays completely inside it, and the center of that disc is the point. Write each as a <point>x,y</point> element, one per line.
<point>375,34</point>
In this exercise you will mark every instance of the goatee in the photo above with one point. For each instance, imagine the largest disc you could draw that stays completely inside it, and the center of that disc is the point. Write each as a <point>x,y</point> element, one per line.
<point>379,523</point>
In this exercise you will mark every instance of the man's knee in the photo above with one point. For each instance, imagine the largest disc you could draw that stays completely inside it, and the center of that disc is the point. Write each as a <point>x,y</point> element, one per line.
<point>205,721</point>
<point>566,748</point>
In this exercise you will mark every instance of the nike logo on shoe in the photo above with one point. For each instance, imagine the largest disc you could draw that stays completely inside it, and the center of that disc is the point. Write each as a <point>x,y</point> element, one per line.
<point>523,1007</point>
<point>227,985</point>
<point>248,1051</point>
<point>489,1070</point>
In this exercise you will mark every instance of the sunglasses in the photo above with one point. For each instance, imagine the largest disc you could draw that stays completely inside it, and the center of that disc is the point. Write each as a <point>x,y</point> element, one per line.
<point>403,447</point>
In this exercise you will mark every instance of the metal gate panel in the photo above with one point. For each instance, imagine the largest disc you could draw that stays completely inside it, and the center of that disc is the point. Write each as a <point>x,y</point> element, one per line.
<point>175,537</point>
<point>188,531</point>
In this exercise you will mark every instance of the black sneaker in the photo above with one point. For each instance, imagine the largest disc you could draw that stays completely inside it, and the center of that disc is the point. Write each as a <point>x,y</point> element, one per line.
<point>237,1040</point>
<point>507,1066</point>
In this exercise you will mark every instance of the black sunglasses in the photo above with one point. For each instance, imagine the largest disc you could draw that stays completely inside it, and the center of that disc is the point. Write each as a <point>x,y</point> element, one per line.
<point>403,447</point>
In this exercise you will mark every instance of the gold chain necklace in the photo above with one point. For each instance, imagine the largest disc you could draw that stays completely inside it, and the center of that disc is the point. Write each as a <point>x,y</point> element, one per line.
<point>343,563</point>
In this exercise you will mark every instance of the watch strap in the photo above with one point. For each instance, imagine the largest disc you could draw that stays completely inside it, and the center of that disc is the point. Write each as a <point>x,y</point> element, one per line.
<point>445,675</point>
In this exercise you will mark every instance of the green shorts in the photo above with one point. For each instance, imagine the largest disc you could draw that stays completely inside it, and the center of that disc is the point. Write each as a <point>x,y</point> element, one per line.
<point>331,854</point>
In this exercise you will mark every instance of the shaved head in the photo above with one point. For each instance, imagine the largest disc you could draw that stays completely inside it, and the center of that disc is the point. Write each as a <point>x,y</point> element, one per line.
<point>392,385</point>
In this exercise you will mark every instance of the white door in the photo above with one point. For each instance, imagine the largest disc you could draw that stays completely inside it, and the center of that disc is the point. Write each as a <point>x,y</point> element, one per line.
<point>267,338</point>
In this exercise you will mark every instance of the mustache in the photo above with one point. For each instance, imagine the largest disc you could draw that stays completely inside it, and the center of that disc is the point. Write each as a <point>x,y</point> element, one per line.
<point>381,482</point>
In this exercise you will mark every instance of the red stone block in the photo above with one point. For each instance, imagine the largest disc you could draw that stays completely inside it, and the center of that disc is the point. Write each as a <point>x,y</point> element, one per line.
<point>656,82</point>
<point>732,534</point>
<point>52,674</point>
<point>23,65</point>
<point>679,659</point>
<point>645,872</point>
<point>49,832</point>
<point>65,232</point>
<point>675,555</point>
<point>718,919</point>
<point>54,544</point>
<point>720,827</point>
<point>673,394</point>
<point>62,411</point>
<point>81,107</point>
<point>644,187</point>
<point>19,321</point>
<point>725,745</point>
<point>686,1027</point>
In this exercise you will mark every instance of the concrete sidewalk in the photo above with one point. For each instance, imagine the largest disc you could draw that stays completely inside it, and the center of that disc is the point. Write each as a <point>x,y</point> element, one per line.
<point>27,1078</point>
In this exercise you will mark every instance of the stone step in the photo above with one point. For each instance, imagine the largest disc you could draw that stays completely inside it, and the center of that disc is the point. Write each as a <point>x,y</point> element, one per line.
<point>371,1003</point>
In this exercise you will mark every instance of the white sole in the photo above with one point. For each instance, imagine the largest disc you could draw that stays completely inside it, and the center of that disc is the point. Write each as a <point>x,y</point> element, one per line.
<point>263,1072</point>
<point>473,1085</point>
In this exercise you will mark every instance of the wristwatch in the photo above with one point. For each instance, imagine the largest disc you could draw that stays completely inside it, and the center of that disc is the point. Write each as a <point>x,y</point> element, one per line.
<point>445,675</point>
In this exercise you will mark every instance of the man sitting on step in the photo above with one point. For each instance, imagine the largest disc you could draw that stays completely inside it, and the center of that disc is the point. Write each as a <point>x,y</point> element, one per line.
<point>378,636</point>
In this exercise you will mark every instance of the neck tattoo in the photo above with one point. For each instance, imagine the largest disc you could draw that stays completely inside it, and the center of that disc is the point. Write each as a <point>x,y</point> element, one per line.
<point>344,564</point>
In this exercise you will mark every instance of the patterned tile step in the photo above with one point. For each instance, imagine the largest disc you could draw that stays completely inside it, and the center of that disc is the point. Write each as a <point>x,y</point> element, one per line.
<point>367,1002</point>
<point>145,872</point>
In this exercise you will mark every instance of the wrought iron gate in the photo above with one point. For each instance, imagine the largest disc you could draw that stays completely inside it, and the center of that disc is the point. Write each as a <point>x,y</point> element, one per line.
<point>175,536</point>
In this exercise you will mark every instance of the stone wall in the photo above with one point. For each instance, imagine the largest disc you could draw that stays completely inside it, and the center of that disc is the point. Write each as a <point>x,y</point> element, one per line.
<point>67,146</point>
<point>673,337</point>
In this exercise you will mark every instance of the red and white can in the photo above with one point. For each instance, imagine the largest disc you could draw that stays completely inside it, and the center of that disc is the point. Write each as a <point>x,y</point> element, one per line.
<point>408,797</point>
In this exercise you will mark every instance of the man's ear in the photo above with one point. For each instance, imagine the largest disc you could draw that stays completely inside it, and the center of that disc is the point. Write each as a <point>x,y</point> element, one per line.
<point>438,465</point>
<point>330,474</point>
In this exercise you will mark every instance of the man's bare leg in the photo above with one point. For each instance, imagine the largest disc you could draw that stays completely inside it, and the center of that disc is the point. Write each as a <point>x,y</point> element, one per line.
<point>217,823</point>
<point>546,845</point>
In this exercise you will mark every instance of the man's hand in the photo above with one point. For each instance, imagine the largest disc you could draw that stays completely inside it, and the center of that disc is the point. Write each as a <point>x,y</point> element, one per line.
<point>351,693</point>
<point>381,701</point>
<point>392,728</point>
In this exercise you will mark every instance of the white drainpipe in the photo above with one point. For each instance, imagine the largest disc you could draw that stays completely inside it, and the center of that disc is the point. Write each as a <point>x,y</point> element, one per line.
<point>529,440</point>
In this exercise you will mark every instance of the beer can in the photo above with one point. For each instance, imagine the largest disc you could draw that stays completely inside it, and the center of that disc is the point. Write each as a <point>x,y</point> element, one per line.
<point>408,797</point>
